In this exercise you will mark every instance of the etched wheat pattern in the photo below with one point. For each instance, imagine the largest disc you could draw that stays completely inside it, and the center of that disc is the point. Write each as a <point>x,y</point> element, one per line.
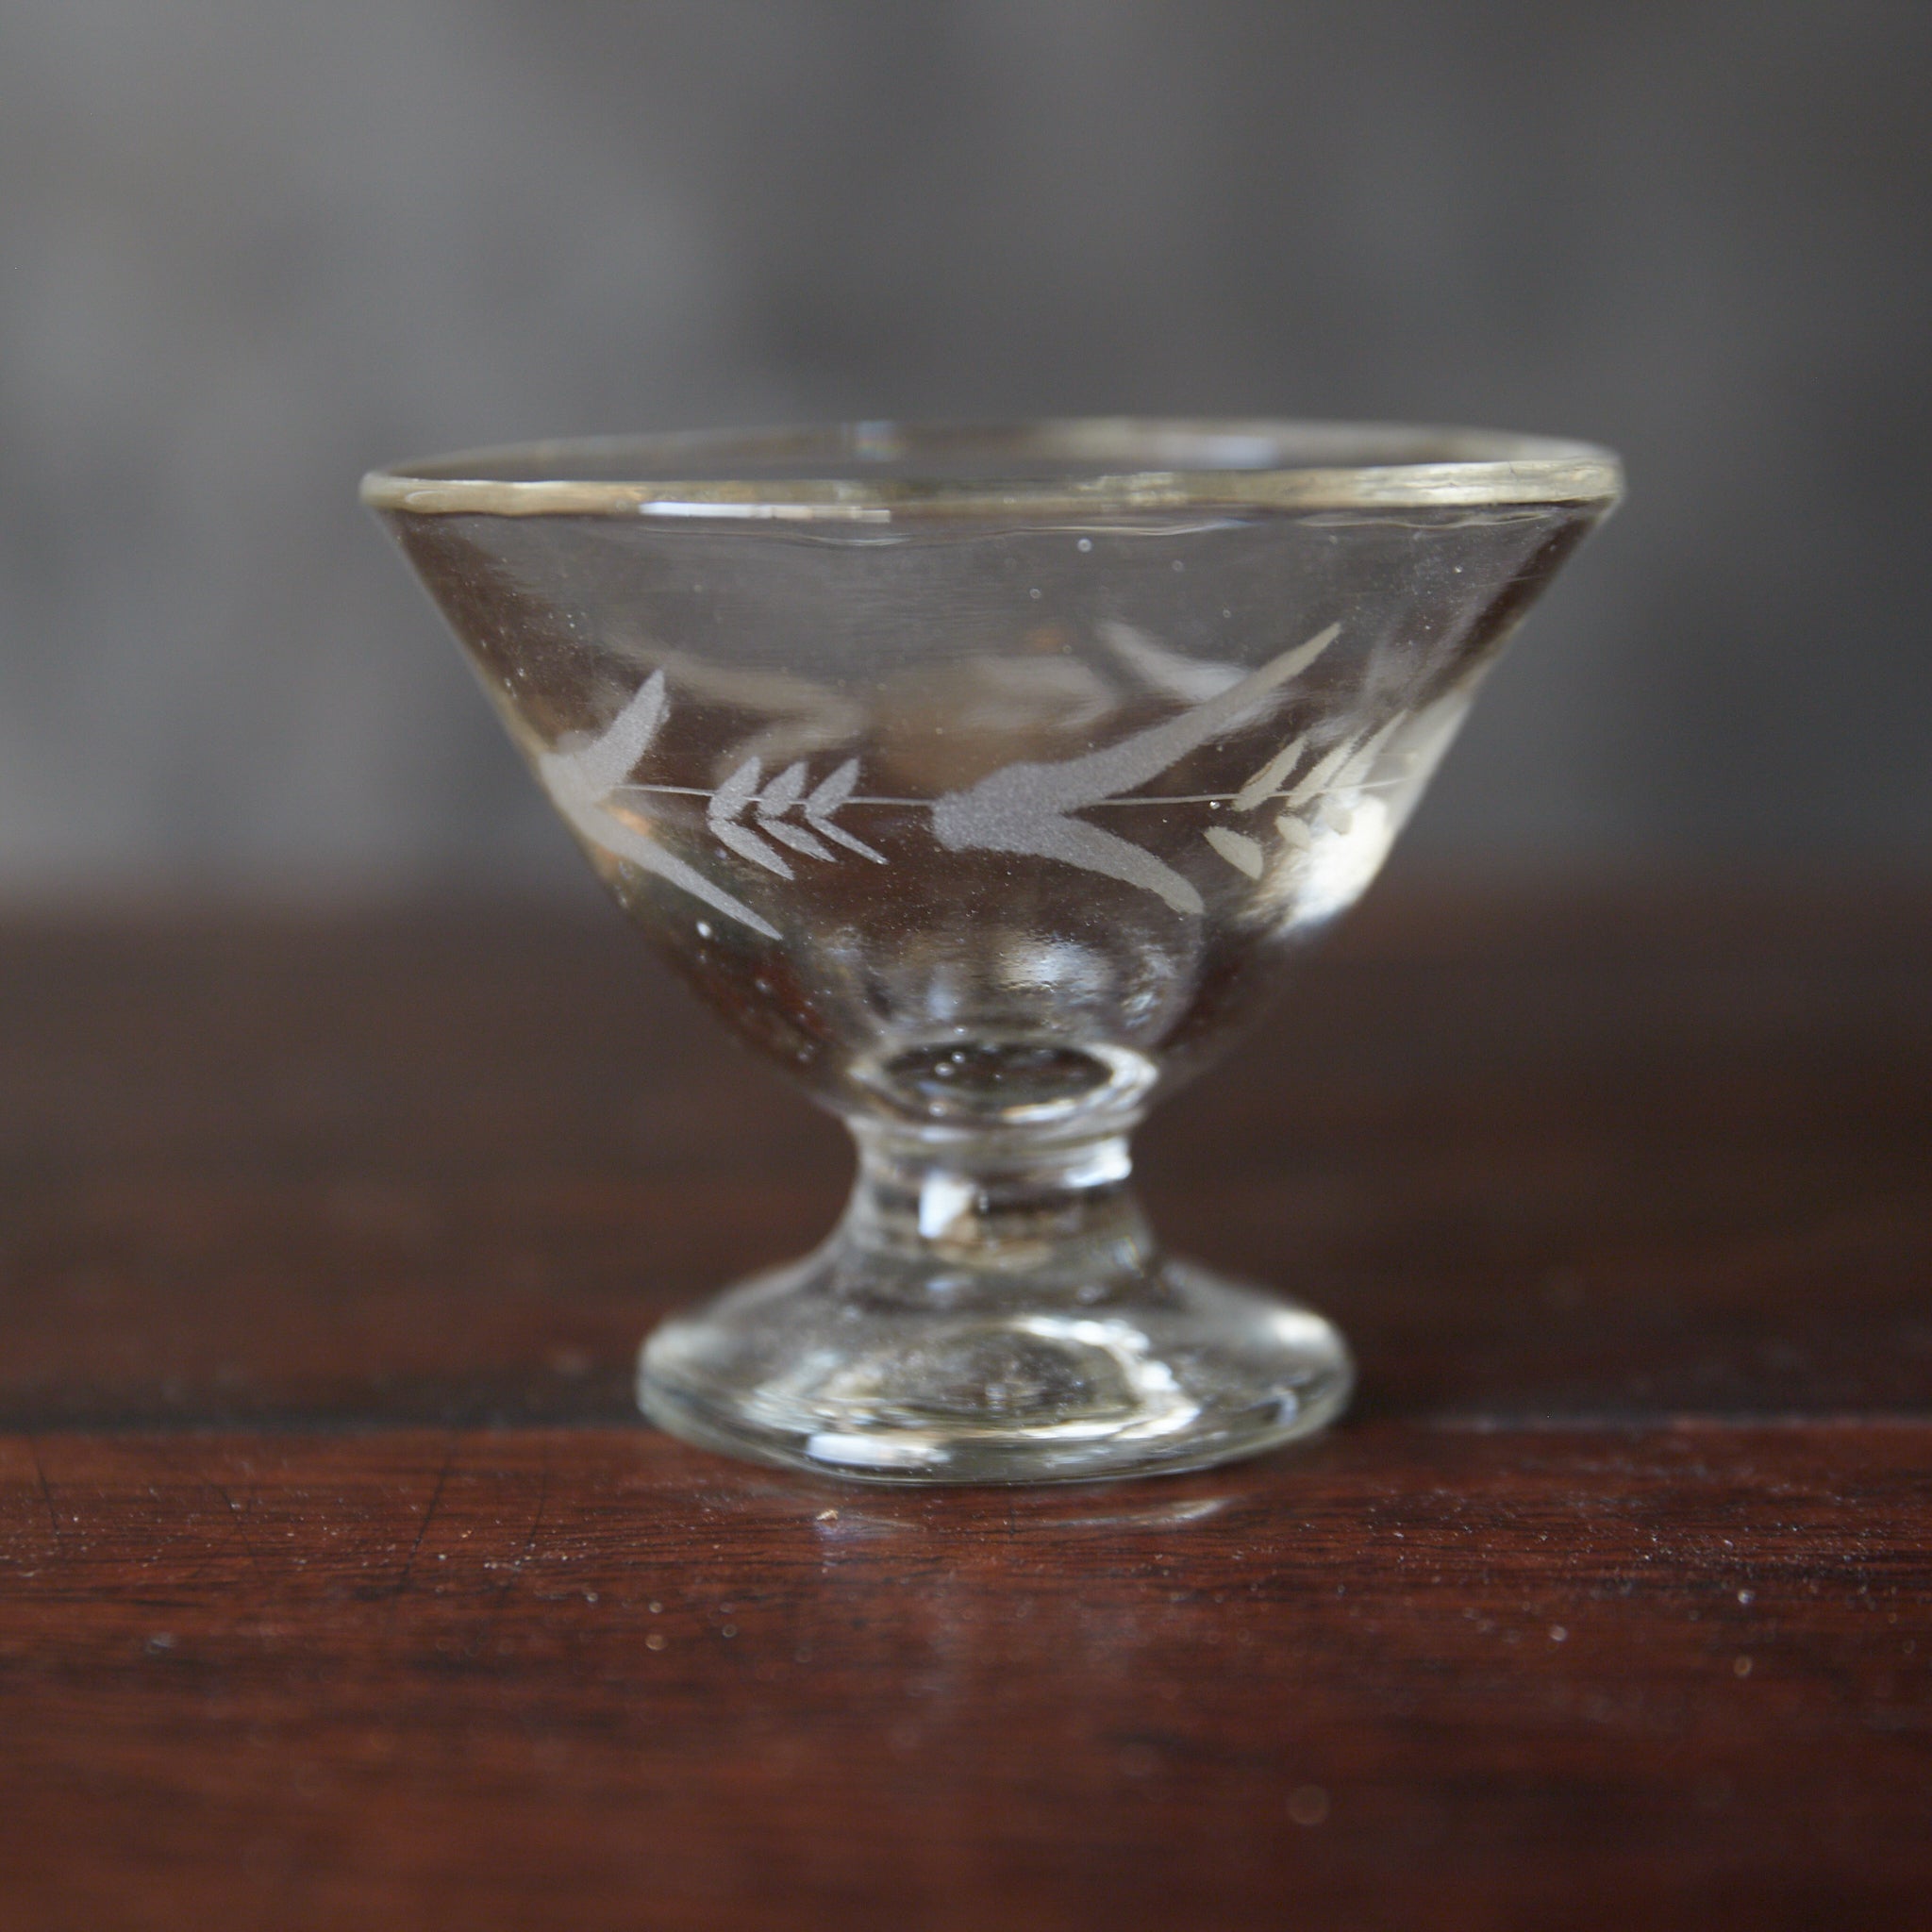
<point>1321,790</point>
<point>748,820</point>
<point>1029,808</point>
<point>582,777</point>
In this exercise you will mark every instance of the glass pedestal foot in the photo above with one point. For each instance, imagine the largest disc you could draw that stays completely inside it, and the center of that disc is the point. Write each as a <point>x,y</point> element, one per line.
<point>1177,1370</point>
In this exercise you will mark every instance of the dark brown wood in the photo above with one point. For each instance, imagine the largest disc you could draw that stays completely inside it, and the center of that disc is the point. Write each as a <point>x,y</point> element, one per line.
<point>587,1677</point>
<point>339,1587</point>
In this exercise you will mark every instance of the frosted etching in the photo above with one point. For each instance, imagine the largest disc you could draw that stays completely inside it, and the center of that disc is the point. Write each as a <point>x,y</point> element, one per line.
<point>773,807</point>
<point>1028,807</point>
<point>580,778</point>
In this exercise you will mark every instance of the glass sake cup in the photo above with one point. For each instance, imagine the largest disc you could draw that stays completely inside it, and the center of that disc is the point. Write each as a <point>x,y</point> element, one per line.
<point>985,779</point>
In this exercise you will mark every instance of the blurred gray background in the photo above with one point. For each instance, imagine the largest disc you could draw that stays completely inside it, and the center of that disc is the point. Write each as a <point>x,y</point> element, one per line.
<point>248,248</point>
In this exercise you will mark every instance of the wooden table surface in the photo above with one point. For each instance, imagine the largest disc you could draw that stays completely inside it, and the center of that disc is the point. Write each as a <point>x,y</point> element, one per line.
<point>340,1585</point>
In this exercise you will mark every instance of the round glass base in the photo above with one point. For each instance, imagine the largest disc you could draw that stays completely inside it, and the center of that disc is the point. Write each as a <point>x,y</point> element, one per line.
<point>1175,1369</point>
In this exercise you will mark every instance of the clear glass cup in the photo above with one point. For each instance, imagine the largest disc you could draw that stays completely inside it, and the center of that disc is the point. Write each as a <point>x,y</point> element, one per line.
<point>985,779</point>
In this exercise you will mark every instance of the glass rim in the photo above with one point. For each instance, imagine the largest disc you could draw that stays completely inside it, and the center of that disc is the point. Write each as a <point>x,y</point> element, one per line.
<point>870,472</point>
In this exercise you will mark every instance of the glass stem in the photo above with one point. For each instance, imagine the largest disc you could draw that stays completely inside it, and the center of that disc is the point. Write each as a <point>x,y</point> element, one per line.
<point>949,1220</point>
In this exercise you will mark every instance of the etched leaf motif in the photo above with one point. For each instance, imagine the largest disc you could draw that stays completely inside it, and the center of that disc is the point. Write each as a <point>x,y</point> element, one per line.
<point>1331,787</point>
<point>833,793</point>
<point>1022,808</point>
<point>1241,852</point>
<point>1268,779</point>
<point>1357,769</point>
<point>728,804</point>
<point>1314,781</point>
<point>775,800</point>
<point>736,791</point>
<point>782,794</point>
<point>772,808</point>
<point>580,777</point>
<point>1028,807</point>
<point>607,762</point>
<point>797,838</point>
<point>828,799</point>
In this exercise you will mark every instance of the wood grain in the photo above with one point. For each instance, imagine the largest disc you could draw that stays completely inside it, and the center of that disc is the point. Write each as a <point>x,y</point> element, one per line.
<point>339,1587</point>
<point>590,1677</point>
